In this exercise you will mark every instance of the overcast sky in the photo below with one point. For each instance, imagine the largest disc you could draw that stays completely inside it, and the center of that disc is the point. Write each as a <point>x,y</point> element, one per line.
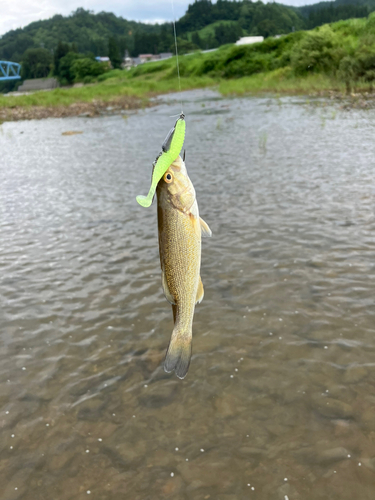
<point>19,13</point>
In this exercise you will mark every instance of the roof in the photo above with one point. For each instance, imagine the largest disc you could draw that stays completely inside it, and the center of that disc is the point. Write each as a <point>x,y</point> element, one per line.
<point>249,39</point>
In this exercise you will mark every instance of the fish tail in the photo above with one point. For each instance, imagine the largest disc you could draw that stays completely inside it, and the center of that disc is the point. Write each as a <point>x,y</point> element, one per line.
<point>179,353</point>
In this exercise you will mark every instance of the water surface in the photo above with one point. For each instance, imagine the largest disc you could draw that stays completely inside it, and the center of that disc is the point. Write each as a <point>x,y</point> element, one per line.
<point>279,401</point>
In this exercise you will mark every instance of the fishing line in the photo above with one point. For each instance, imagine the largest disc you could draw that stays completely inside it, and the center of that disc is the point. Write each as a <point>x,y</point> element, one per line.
<point>175,43</point>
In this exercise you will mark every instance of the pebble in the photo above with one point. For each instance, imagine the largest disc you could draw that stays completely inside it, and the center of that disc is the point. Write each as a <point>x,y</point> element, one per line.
<point>355,374</point>
<point>369,463</point>
<point>368,418</point>
<point>322,457</point>
<point>333,408</point>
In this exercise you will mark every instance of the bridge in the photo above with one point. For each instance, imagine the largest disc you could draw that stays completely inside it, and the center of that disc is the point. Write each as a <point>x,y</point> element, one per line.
<point>9,71</point>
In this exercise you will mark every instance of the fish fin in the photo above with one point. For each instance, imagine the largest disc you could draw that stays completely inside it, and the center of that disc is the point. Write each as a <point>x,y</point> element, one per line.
<point>194,209</point>
<point>200,292</point>
<point>194,216</point>
<point>206,231</point>
<point>178,354</point>
<point>197,227</point>
<point>166,291</point>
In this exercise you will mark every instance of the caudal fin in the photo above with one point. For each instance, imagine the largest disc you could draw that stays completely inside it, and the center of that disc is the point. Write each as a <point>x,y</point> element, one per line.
<point>178,354</point>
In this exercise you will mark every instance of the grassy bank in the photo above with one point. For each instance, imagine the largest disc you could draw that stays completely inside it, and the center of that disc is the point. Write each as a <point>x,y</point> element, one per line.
<point>338,57</point>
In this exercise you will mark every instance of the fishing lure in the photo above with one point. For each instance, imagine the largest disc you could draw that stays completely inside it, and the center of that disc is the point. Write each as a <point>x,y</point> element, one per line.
<point>171,149</point>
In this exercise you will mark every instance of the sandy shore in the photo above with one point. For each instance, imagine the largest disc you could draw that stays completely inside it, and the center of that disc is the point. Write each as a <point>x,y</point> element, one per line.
<point>94,108</point>
<point>115,106</point>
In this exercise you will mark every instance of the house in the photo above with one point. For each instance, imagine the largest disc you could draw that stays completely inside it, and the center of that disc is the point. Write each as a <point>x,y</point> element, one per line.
<point>129,62</point>
<point>145,57</point>
<point>247,40</point>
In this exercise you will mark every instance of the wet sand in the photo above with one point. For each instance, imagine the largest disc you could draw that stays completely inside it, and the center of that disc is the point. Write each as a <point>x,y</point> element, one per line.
<point>84,109</point>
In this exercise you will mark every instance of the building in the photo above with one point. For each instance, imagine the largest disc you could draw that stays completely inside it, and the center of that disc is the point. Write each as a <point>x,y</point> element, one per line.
<point>129,62</point>
<point>102,59</point>
<point>145,57</point>
<point>247,40</point>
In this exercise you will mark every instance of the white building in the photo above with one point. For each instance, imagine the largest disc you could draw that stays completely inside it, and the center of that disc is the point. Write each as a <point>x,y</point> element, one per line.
<point>247,40</point>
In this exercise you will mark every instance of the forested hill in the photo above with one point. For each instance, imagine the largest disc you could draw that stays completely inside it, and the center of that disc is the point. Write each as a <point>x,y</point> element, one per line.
<point>89,32</point>
<point>326,12</point>
<point>204,25</point>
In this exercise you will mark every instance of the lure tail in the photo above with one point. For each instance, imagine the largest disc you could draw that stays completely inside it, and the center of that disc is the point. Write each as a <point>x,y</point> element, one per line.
<point>171,149</point>
<point>179,353</point>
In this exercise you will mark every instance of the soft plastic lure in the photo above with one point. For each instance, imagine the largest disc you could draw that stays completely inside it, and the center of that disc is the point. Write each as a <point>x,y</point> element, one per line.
<point>170,151</point>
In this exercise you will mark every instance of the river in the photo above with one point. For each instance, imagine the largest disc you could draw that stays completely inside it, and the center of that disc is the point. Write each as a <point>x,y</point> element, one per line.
<point>279,401</point>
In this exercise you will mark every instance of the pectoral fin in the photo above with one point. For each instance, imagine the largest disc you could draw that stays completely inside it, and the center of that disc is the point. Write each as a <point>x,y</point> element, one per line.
<point>200,292</point>
<point>206,231</point>
<point>167,293</point>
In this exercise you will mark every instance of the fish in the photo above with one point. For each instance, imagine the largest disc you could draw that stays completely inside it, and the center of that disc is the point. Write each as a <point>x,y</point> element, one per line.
<point>180,231</point>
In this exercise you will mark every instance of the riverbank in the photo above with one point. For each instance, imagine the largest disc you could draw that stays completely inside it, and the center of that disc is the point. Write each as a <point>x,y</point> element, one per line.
<point>91,101</point>
<point>90,109</point>
<point>117,93</point>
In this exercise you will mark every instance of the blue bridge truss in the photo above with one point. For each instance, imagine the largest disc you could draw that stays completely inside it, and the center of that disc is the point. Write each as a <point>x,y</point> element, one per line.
<point>9,71</point>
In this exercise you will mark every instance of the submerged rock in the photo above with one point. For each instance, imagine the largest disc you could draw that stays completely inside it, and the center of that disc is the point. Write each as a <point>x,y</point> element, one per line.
<point>355,374</point>
<point>316,456</point>
<point>333,408</point>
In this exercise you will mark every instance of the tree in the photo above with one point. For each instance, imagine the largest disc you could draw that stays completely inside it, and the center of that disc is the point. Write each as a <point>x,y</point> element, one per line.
<point>267,28</point>
<point>114,53</point>
<point>184,46</point>
<point>196,39</point>
<point>227,33</point>
<point>87,67</point>
<point>36,63</point>
<point>66,73</point>
<point>61,50</point>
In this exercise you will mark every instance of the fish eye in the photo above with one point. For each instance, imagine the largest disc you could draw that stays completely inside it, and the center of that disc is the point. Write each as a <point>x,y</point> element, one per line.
<point>168,178</point>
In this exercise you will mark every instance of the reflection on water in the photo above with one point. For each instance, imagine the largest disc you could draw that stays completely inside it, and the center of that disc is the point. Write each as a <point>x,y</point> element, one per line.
<point>279,402</point>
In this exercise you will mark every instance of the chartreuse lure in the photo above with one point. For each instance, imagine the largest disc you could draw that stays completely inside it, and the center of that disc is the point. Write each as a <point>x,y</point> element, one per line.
<point>170,151</point>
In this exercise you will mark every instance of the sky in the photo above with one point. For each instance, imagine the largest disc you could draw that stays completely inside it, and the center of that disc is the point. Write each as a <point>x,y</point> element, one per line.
<point>19,13</point>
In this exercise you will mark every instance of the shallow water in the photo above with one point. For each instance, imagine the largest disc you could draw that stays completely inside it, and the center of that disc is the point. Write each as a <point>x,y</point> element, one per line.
<point>279,401</point>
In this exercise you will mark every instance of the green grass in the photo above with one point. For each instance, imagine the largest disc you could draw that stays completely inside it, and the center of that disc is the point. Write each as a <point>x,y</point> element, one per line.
<point>280,81</point>
<point>109,90</point>
<point>210,29</point>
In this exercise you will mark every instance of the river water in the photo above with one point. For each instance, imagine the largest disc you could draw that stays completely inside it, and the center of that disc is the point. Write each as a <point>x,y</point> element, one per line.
<point>279,401</point>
